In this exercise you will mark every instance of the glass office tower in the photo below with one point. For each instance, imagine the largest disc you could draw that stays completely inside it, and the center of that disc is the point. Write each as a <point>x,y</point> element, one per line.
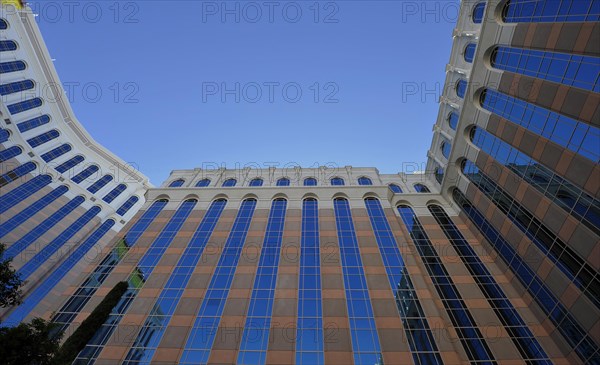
<point>491,256</point>
<point>63,197</point>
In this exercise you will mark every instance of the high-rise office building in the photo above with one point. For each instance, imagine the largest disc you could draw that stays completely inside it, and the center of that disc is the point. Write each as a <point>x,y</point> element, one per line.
<point>491,256</point>
<point>63,197</point>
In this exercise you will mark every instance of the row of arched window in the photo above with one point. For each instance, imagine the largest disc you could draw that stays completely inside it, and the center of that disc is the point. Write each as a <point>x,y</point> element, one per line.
<point>336,181</point>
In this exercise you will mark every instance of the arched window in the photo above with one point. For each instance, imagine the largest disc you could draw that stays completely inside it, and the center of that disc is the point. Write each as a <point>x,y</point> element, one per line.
<point>66,166</point>
<point>310,181</point>
<point>478,12</point>
<point>439,174</point>
<point>284,181</point>
<point>3,24</point>
<point>446,147</point>
<point>527,11</point>
<point>56,153</point>
<point>89,171</point>
<point>25,105</point>
<point>229,183</point>
<point>9,153</point>
<point>364,181</point>
<point>95,187</point>
<point>17,173</point>
<point>395,189</point>
<point>23,191</point>
<point>203,183</point>
<point>461,88</point>
<point>115,193</point>
<point>256,182</point>
<point>7,46</point>
<point>4,134</point>
<point>453,120</point>
<point>420,188</point>
<point>43,138</point>
<point>12,66</point>
<point>15,87</point>
<point>177,183</point>
<point>470,52</point>
<point>337,181</point>
<point>127,205</point>
<point>33,123</point>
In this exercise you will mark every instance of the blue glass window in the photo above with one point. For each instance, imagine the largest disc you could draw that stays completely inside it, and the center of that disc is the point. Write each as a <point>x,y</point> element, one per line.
<point>177,183</point>
<point>562,255</point>
<point>7,46</point>
<point>439,174</point>
<point>229,183</point>
<point>95,187</point>
<point>453,120</point>
<point>150,335</point>
<point>420,188</point>
<point>529,11</point>
<point>255,338</point>
<point>56,153</point>
<point>478,12</point>
<point>33,123</point>
<point>41,291</point>
<point>43,138</point>
<point>12,66</point>
<point>203,183</point>
<point>395,188</point>
<point>309,326</point>
<point>461,88</point>
<point>568,69</point>
<point>24,191</point>
<point>518,330</point>
<point>364,181</point>
<point>17,173</point>
<point>310,181</point>
<point>127,205</point>
<point>470,52</point>
<point>200,340</point>
<point>15,87</point>
<point>33,235</point>
<point>365,340</point>
<point>66,166</point>
<point>115,193</point>
<point>417,330</point>
<point>84,293</point>
<point>9,153</point>
<point>284,181</point>
<point>137,279</point>
<point>446,148</point>
<point>3,24</point>
<point>577,337</point>
<point>466,328</point>
<point>256,182</point>
<point>337,181</point>
<point>587,208</point>
<point>50,249</point>
<point>4,135</point>
<point>21,217</point>
<point>25,105</point>
<point>89,171</point>
<point>577,136</point>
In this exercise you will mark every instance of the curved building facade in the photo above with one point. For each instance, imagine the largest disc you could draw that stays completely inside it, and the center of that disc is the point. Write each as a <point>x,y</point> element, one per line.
<point>62,195</point>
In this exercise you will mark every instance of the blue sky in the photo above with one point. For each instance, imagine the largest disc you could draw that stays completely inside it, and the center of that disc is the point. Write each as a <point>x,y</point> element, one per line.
<point>156,82</point>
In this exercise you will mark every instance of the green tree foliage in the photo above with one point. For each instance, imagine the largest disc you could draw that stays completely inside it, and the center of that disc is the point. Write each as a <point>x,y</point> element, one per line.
<point>77,341</point>
<point>28,343</point>
<point>10,282</point>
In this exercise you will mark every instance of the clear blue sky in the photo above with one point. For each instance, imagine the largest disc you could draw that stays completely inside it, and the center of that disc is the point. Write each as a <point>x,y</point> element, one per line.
<point>161,67</point>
